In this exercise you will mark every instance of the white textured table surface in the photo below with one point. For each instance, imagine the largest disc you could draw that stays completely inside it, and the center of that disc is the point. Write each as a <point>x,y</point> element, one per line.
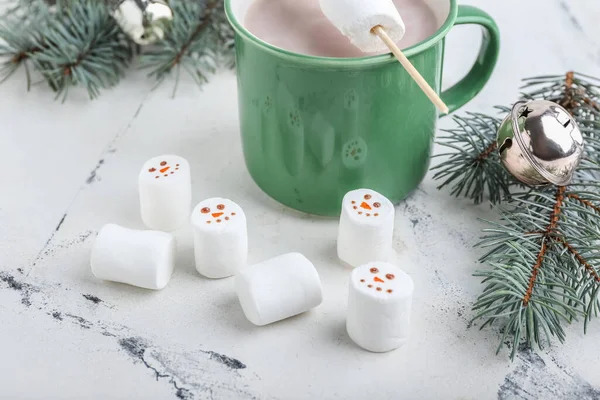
<point>68,169</point>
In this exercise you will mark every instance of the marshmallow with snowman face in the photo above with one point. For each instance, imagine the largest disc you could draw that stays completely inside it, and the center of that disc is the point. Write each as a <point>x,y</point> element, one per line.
<point>165,192</point>
<point>366,227</point>
<point>220,238</point>
<point>379,306</point>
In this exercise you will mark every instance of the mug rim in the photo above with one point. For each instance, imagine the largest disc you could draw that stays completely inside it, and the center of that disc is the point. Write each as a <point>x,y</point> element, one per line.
<point>337,61</point>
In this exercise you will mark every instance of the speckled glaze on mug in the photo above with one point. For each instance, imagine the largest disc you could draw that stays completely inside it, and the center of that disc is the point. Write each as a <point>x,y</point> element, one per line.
<point>314,128</point>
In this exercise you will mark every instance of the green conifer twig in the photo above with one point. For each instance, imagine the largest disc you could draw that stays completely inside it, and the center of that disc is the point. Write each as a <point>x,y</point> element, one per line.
<point>473,166</point>
<point>78,43</point>
<point>198,39</point>
<point>542,255</point>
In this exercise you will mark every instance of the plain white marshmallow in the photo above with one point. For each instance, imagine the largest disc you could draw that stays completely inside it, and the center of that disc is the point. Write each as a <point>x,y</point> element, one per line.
<point>139,258</point>
<point>278,288</point>
<point>220,237</point>
<point>355,19</point>
<point>379,306</point>
<point>366,227</point>
<point>165,192</point>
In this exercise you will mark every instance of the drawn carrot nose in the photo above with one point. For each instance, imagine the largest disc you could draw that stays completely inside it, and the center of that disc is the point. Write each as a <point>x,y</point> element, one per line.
<point>365,206</point>
<point>216,215</point>
<point>163,170</point>
<point>377,279</point>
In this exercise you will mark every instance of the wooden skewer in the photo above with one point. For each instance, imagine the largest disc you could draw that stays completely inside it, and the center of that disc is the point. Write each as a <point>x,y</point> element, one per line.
<point>412,71</point>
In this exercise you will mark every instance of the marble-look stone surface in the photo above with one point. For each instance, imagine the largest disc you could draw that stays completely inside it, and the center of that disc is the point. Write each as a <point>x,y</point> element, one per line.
<point>67,169</point>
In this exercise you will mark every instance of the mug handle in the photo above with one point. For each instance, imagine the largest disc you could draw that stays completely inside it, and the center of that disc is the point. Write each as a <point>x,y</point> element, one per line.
<point>468,87</point>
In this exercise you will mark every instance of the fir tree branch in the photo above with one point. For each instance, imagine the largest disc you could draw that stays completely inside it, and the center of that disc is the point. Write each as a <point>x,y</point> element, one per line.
<point>197,40</point>
<point>583,201</point>
<point>76,44</point>
<point>93,54</point>
<point>473,166</point>
<point>16,42</point>
<point>486,153</point>
<point>591,270</point>
<point>592,104</point>
<point>560,193</point>
<point>553,288</point>
<point>205,21</point>
<point>542,255</point>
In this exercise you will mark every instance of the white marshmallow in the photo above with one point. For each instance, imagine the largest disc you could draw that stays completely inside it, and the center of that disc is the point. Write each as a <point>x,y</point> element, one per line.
<point>220,238</point>
<point>278,288</point>
<point>379,304</point>
<point>356,18</point>
<point>165,192</point>
<point>138,258</point>
<point>366,227</point>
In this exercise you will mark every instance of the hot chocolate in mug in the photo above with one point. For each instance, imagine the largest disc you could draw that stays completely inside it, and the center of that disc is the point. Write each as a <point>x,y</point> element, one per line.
<point>314,128</point>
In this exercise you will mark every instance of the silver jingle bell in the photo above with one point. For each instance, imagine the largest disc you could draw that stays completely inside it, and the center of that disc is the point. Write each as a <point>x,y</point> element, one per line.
<point>540,143</point>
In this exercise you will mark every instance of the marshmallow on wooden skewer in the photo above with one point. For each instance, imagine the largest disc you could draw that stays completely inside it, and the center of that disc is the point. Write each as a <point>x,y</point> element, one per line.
<point>220,238</point>
<point>278,288</point>
<point>355,18</point>
<point>366,227</point>
<point>165,192</point>
<point>379,305</point>
<point>375,25</point>
<point>139,258</point>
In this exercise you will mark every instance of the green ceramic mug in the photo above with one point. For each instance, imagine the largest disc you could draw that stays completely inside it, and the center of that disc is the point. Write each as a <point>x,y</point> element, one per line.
<point>314,128</point>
